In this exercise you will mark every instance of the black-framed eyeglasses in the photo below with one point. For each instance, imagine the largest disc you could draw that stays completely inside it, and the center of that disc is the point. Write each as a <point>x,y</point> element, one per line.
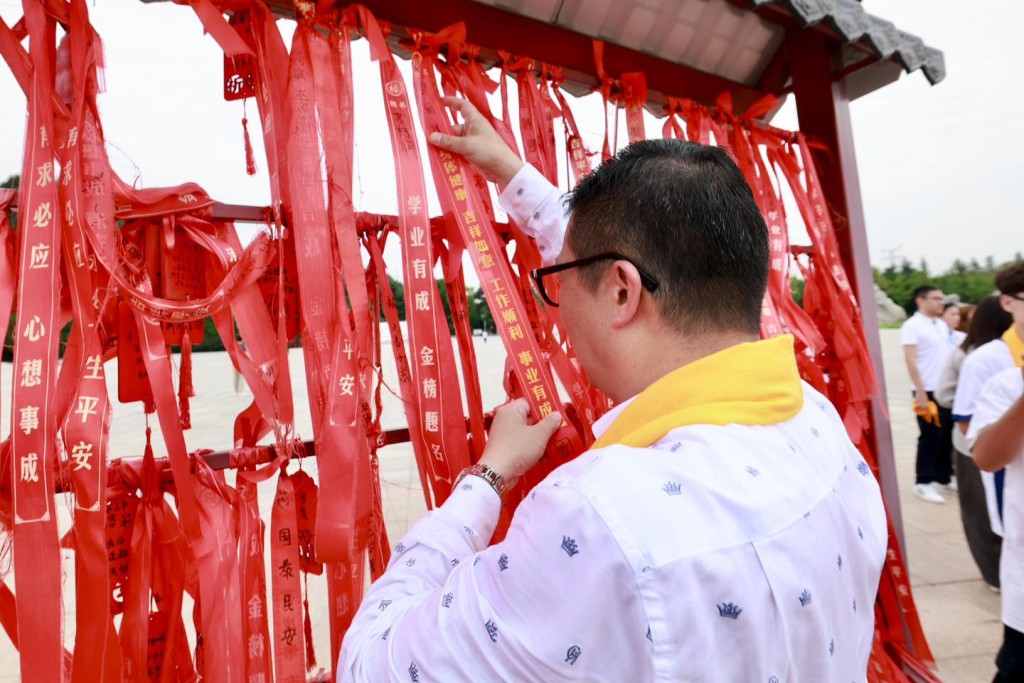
<point>648,282</point>
<point>1018,297</point>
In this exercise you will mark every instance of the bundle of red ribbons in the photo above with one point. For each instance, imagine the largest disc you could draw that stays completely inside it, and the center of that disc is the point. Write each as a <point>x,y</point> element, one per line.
<point>136,272</point>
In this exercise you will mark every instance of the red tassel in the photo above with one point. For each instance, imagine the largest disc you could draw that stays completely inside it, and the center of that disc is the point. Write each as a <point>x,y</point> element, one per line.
<point>308,627</point>
<point>185,389</point>
<point>250,160</point>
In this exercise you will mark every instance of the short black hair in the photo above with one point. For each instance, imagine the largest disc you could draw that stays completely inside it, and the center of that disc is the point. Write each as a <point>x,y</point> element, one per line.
<point>1010,280</point>
<point>683,213</point>
<point>948,305</point>
<point>989,322</point>
<point>924,290</point>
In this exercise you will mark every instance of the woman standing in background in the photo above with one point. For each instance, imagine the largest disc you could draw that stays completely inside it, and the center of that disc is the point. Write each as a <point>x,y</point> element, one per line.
<point>988,322</point>
<point>958,319</point>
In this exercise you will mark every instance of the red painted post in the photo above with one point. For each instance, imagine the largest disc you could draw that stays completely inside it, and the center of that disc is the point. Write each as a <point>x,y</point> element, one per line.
<point>823,108</point>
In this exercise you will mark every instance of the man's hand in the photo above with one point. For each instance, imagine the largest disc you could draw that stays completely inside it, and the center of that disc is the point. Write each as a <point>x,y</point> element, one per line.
<point>514,445</point>
<point>477,141</point>
<point>921,399</point>
<point>920,395</point>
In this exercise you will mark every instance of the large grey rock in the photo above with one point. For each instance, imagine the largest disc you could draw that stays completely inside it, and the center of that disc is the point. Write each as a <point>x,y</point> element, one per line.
<point>888,311</point>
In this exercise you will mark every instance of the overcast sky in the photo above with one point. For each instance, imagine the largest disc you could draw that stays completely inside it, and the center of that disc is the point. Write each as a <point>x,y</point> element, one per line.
<point>940,167</point>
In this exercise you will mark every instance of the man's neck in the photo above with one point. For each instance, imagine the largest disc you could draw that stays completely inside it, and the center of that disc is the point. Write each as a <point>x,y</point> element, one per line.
<point>927,315</point>
<point>655,356</point>
<point>1019,328</point>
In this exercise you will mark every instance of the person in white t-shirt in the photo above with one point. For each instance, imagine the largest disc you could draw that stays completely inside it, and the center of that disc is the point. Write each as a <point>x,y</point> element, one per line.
<point>925,339</point>
<point>988,323</point>
<point>997,435</point>
<point>985,362</point>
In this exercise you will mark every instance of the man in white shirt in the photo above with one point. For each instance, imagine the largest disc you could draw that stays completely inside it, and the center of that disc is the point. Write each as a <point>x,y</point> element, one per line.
<point>722,528</point>
<point>997,435</point>
<point>987,361</point>
<point>925,339</point>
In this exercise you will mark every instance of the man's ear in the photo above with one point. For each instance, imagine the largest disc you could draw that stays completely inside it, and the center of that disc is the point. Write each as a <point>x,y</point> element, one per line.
<point>624,290</point>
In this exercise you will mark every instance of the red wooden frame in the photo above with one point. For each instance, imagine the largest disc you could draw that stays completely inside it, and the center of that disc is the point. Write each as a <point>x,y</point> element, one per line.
<point>496,29</point>
<point>823,108</point>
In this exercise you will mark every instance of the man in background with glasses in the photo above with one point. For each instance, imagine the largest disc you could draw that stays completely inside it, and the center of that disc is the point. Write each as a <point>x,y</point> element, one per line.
<point>925,340</point>
<point>722,527</point>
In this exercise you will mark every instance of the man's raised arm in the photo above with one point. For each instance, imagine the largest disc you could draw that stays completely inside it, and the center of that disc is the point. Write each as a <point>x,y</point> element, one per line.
<point>526,195</point>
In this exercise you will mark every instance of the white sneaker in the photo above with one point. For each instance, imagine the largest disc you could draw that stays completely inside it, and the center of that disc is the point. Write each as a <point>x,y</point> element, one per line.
<point>951,487</point>
<point>928,492</point>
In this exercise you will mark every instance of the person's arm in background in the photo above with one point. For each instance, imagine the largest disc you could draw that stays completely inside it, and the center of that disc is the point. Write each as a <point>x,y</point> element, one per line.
<point>946,391</point>
<point>998,424</point>
<point>967,387</point>
<point>527,196</point>
<point>920,394</point>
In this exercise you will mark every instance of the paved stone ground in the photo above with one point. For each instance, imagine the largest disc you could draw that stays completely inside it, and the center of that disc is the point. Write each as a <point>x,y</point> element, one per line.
<point>960,616</point>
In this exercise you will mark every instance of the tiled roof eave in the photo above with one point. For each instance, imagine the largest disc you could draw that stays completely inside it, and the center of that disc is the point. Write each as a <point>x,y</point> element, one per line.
<point>849,20</point>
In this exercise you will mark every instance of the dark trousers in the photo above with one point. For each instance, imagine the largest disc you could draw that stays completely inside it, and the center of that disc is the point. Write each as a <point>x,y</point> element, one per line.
<point>986,545</point>
<point>935,448</point>
<point>1010,660</point>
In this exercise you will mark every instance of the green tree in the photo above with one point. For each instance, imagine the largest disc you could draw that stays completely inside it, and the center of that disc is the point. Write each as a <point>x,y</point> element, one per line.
<point>797,286</point>
<point>398,289</point>
<point>211,338</point>
<point>480,317</point>
<point>12,183</point>
<point>971,280</point>
<point>8,352</point>
<point>446,304</point>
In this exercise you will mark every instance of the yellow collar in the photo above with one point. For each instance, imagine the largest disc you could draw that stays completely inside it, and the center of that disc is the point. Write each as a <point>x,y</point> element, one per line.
<point>756,383</point>
<point>1016,345</point>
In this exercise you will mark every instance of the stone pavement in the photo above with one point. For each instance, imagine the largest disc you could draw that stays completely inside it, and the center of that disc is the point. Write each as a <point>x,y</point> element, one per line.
<point>960,616</point>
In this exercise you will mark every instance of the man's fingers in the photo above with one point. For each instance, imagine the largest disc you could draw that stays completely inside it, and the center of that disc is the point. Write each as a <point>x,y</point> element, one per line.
<point>465,109</point>
<point>520,407</point>
<point>449,143</point>
<point>549,425</point>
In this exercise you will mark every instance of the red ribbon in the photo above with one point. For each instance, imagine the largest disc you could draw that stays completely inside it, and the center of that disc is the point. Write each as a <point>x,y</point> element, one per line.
<point>169,265</point>
<point>34,423</point>
<point>289,634</point>
<point>575,149</point>
<point>435,395</point>
<point>157,571</point>
<point>478,234</point>
<point>87,423</point>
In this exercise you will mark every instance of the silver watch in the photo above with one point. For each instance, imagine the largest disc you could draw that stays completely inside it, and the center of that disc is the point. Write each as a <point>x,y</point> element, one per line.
<point>496,481</point>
